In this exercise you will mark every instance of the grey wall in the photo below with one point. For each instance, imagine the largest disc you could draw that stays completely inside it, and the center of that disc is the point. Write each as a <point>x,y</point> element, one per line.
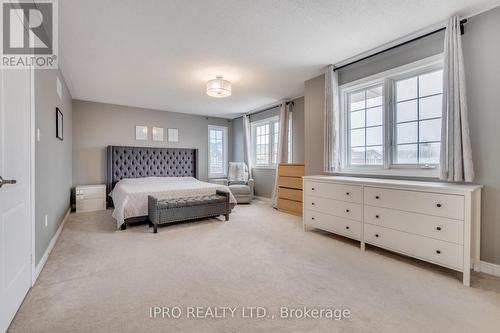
<point>97,125</point>
<point>482,55</point>
<point>53,161</point>
<point>264,177</point>
<point>314,102</point>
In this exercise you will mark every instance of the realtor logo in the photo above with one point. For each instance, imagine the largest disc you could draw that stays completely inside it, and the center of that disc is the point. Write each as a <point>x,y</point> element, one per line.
<point>29,34</point>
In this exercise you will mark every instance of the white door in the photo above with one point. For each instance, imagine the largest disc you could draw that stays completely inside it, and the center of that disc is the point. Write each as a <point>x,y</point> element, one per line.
<point>15,210</point>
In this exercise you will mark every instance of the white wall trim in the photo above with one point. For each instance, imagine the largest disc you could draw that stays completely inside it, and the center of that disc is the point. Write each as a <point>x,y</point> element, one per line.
<point>489,268</point>
<point>52,243</point>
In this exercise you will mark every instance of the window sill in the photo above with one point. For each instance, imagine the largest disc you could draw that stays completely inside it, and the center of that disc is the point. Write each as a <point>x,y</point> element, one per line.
<point>265,167</point>
<point>392,173</point>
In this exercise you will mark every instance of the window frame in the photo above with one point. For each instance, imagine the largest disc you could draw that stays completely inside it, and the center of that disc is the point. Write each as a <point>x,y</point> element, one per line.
<point>225,152</point>
<point>271,121</point>
<point>388,81</point>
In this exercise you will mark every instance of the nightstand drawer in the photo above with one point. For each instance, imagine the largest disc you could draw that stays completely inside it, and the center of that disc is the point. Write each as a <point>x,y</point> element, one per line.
<point>90,205</point>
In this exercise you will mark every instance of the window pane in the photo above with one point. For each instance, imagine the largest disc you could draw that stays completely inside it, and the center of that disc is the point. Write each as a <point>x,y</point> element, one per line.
<point>375,155</point>
<point>357,101</point>
<point>406,111</point>
<point>431,107</point>
<point>374,136</point>
<point>374,116</point>
<point>429,153</point>
<point>406,154</point>
<point>430,83</point>
<point>430,130</point>
<point>358,156</point>
<point>358,137</point>
<point>357,119</point>
<point>406,89</point>
<point>406,133</point>
<point>374,97</point>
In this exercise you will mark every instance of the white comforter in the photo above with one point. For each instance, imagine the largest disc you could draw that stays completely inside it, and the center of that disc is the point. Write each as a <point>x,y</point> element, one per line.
<point>130,196</point>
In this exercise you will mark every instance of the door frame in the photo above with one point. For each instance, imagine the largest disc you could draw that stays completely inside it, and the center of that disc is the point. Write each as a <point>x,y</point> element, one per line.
<point>32,137</point>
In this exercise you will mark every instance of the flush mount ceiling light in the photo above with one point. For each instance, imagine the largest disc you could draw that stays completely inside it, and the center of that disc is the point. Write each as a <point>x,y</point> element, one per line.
<point>219,87</point>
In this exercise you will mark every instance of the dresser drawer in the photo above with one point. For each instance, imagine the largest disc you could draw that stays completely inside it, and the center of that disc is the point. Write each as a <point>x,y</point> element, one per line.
<point>290,194</point>
<point>445,205</point>
<point>430,226</point>
<point>337,225</point>
<point>436,251</point>
<point>90,205</point>
<point>334,207</point>
<point>291,170</point>
<point>351,193</point>
<point>290,206</point>
<point>290,182</point>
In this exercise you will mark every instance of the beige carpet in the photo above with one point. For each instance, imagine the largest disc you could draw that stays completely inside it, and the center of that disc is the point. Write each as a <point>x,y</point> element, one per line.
<point>98,279</point>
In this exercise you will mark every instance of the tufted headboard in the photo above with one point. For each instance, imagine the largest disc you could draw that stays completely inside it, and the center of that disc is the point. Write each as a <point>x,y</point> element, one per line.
<point>136,162</point>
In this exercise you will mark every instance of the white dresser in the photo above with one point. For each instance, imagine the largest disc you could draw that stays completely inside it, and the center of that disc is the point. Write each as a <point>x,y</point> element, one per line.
<point>90,198</point>
<point>435,222</point>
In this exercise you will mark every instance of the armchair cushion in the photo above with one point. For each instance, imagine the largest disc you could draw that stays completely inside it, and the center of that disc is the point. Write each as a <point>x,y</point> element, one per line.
<point>238,173</point>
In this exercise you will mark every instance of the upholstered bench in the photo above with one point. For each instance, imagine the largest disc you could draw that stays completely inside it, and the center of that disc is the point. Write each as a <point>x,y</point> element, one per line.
<point>162,211</point>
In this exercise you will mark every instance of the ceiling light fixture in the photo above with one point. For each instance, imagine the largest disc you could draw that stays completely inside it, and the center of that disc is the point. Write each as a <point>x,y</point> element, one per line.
<point>219,87</point>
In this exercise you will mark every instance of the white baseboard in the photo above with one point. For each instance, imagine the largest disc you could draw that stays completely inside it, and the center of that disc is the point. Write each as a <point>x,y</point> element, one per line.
<point>489,268</point>
<point>43,260</point>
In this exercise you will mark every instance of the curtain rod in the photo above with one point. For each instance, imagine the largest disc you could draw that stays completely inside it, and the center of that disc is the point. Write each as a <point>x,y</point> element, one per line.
<point>462,31</point>
<point>269,108</point>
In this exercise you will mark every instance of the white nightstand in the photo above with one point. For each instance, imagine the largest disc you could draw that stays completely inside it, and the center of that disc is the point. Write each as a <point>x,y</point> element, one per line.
<point>90,198</point>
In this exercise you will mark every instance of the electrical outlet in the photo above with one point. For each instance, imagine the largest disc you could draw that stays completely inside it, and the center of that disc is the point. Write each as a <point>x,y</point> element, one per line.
<point>46,221</point>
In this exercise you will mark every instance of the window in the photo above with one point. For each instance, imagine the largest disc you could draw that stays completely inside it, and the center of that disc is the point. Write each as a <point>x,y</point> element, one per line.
<point>265,139</point>
<point>217,151</point>
<point>392,121</point>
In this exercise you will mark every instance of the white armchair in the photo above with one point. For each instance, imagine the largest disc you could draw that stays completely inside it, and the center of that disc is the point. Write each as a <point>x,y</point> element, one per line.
<point>238,181</point>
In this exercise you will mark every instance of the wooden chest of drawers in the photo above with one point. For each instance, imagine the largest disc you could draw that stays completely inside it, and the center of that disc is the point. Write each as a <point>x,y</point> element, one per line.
<point>290,188</point>
<point>435,222</point>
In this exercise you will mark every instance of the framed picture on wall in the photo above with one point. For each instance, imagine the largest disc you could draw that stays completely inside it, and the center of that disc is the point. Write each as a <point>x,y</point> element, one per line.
<point>157,133</point>
<point>141,133</point>
<point>59,124</point>
<point>173,135</point>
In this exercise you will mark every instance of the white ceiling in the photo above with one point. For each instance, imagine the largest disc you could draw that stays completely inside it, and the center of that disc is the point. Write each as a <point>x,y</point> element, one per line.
<point>159,54</point>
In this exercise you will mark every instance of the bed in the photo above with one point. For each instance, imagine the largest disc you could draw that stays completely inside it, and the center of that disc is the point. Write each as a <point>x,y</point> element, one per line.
<point>134,173</point>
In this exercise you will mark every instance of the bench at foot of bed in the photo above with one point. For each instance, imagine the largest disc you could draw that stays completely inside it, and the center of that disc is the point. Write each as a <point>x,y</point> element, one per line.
<point>163,211</point>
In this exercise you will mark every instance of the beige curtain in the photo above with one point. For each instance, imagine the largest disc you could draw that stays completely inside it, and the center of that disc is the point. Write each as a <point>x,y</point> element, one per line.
<point>332,121</point>
<point>282,145</point>
<point>456,153</point>
<point>248,144</point>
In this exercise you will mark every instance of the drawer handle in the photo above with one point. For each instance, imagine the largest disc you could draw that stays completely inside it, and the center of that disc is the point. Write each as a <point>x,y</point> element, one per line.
<point>376,235</point>
<point>438,205</point>
<point>438,252</point>
<point>347,193</point>
<point>347,227</point>
<point>438,228</point>
<point>377,216</point>
<point>347,210</point>
<point>312,218</point>
<point>313,189</point>
<point>377,197</point>
<point>312,203</point>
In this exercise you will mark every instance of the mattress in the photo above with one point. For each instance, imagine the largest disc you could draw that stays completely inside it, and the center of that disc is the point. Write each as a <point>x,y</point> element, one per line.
<point>130,196</point>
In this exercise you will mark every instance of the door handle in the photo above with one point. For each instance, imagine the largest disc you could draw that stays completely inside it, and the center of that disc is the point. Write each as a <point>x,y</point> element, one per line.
<point>7,181</point>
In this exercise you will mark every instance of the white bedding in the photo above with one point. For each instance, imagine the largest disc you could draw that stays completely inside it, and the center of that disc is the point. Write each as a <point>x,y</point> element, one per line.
<point>130,196</point>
